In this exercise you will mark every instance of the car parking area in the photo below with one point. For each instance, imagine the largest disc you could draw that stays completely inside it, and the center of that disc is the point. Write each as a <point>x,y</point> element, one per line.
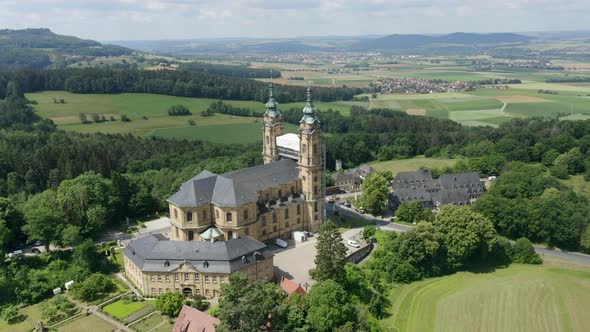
<point>295,261</point>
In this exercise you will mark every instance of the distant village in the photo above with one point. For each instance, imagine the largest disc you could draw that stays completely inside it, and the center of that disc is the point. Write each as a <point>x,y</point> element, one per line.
<point>488,65</point>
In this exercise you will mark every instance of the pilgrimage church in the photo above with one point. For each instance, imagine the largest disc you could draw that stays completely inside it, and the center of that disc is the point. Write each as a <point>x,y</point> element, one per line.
<point>218,221</point>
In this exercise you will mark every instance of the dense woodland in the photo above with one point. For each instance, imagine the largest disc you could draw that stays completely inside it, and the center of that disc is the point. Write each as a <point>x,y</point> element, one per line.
<point>165,82</point>
<point>229,70</point>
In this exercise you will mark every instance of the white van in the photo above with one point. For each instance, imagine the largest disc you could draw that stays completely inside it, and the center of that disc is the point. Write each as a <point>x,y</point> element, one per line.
<point>281,243</point>
<point>354,244</point>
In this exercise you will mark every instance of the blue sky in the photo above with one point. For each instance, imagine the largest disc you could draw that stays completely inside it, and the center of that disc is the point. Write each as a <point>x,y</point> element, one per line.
<point>176,19</point>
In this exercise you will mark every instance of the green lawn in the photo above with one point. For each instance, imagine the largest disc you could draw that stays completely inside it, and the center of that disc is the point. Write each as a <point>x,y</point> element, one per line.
<point>120,309</point>
<point>87,323</point>
<point>518,298</point>
<point>412,164</point>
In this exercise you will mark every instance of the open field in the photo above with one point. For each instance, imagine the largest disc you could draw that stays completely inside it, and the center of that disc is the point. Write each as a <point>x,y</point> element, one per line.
<point>412,164</point>
<point>231,133</point>
<point>87,323</point>
<point>517,298</point>
<point>148,114</point>
<point>416,111</point>
<point>484,104</point>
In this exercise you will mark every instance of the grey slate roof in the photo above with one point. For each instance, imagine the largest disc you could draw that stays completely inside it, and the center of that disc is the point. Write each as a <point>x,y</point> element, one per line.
<point>409,195</point>
<point>458,189</point>
<point>457,197</point>
<point>236,188</point>
<point>414,180</point>
<point>464,181</point>
<point>151,254</point>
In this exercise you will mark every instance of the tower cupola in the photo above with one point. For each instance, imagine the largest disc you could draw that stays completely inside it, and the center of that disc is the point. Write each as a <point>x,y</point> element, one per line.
<point>272,107</point>
<point>309,111</point>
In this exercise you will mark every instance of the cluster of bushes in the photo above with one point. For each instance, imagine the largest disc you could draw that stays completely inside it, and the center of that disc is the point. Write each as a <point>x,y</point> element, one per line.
<point>96,118</point>
<point>548,92</point>
<point>57,309</point>
<point>457,239</point>
<point>93,287</point>
<point>178,110</point>
<point>223,108</point>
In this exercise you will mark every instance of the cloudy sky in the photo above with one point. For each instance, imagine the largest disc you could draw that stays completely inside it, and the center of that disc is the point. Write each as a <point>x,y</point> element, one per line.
<point>176,19</point>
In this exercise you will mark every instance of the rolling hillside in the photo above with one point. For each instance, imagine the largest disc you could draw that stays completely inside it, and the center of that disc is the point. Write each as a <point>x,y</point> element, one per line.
<point>41,48</point>
<point>399,42</point>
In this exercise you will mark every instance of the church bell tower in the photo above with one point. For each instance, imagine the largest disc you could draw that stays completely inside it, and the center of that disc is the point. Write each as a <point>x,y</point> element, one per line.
<point>310,165</point>
<point>273,127</point>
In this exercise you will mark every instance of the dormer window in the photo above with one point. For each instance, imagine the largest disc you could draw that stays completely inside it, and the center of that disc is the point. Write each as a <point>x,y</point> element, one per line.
<point>205,264</point>
<point>167,263</point>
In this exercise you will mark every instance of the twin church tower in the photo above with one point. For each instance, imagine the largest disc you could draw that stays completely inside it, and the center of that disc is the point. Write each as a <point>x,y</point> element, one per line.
<point>273,200</point>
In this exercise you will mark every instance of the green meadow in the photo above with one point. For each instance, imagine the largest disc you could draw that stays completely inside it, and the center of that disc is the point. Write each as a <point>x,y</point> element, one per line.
<point>149,117</point>
<point>518,298</point>
<point>412,164</point>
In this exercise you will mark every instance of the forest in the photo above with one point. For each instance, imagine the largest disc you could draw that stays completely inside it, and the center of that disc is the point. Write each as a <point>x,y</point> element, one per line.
<point>165,82</point>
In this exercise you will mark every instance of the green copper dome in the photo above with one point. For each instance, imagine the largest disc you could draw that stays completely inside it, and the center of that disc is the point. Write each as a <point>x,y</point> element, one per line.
<point>309,111</point>
<point>272,109</point>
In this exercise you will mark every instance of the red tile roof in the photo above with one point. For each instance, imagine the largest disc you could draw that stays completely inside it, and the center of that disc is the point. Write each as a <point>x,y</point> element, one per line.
<point>291,287</point>
<point>193,320</point>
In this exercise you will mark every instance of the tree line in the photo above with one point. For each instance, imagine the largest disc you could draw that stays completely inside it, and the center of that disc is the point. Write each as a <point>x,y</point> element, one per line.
<point>229,70</point>
<point>165,82</point>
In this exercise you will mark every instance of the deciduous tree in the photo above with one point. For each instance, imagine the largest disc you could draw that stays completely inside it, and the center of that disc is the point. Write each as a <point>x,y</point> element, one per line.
<point>170,303</point>
<point>329,306</point>
<point>375,190</point>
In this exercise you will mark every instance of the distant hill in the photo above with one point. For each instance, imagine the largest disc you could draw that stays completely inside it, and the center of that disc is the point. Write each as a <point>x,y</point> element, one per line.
<point>399,42</point>
<point>41,48</point>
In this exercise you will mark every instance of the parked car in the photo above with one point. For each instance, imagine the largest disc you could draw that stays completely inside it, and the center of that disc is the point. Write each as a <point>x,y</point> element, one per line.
<point>36,251</point>
<point>281,243</point>
<point>39,243</point>
<point>15,253</point>
<point>354,243</point>
<point>348,204</point>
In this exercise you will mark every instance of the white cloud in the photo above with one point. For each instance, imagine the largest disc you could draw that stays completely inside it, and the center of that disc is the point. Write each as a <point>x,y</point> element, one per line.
<point>152,19</point>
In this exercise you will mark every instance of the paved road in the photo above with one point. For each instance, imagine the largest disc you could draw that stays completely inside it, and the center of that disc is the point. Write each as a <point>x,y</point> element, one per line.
<point>400,228</point>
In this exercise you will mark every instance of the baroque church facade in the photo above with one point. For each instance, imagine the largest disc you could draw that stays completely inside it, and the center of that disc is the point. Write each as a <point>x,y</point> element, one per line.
<point>264,202</point>
<point>219,222</point>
